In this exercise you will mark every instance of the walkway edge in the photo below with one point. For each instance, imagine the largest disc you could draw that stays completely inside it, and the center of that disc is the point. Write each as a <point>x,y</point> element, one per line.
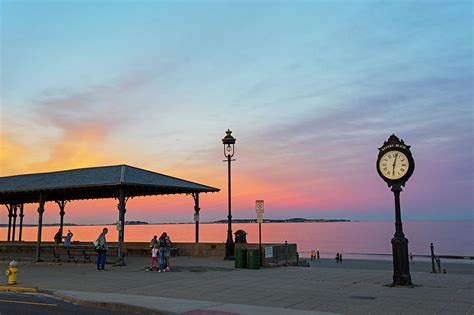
<point>110,306</point>
<point>136,303</point>
<point>9,288</point>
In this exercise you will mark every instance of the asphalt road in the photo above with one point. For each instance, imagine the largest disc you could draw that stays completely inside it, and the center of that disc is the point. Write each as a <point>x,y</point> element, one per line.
<point>27,303</point>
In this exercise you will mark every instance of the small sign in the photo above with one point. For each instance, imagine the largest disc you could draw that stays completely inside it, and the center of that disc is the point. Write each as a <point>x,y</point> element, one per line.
<point>196,217</point>
<point>268,251</point>
<point>259,217</point>
<point>259,208</point>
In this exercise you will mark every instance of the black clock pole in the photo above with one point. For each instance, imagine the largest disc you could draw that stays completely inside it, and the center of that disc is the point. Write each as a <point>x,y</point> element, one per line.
<point>401,267</point>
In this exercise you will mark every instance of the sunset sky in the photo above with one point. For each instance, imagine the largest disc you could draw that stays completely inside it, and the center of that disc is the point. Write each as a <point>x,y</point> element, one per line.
<point>310,90</point>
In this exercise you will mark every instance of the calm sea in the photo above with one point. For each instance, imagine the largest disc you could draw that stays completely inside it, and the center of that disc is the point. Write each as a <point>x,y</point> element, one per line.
<point>355,239</point>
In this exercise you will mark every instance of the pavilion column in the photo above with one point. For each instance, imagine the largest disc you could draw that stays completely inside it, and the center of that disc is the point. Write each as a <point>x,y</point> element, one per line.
<point>121,226</point>
<point>10,213</point>
<point>40,226</point>
<point>15,208</point>
<point>21,221</point>
<point>196,214</point>
<point>62,205</point>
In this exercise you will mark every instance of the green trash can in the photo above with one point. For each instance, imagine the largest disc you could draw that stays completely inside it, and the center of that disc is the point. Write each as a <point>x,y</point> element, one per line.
<point>240,258</point>
<point>253,259</point>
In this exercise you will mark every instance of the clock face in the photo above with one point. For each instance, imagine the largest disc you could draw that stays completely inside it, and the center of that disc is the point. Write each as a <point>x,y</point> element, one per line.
<point>393,165</point>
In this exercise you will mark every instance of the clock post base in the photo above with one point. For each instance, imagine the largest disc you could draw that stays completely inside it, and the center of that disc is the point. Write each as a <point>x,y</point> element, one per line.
<point>401,266</point>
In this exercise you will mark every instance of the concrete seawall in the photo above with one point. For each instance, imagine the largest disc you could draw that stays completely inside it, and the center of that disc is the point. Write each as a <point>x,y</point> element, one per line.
<point>25,251</point>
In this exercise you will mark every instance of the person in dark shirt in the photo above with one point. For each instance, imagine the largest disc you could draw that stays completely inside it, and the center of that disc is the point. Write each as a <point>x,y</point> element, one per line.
<point>58,237</point>
<point>165,249</point>
<point>101,248</point>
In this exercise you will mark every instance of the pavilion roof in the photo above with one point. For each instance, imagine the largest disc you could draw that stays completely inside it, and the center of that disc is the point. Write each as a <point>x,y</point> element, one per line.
<point>93,183</point>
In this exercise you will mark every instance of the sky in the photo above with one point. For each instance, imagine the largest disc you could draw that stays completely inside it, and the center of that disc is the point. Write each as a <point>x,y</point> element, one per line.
<point>310,90</point>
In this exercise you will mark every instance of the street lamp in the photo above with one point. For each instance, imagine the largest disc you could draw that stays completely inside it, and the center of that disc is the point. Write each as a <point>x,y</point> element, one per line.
<point>229,142</point>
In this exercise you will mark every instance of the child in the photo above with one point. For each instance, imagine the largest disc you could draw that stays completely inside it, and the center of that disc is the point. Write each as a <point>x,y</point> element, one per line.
<point>154,256</point>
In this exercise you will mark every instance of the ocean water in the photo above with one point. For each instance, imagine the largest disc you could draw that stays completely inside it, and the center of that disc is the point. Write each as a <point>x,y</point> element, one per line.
<point>366,239</point>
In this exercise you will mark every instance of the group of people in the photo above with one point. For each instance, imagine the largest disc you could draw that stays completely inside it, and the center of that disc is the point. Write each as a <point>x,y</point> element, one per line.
<point>315,254</point>
<point>100,245</point>
<point>160,253</point>
<point>58,237</point>
<point>160,249</point>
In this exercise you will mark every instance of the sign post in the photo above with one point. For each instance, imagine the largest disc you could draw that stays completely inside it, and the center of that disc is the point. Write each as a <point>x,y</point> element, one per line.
<point>259,208</point>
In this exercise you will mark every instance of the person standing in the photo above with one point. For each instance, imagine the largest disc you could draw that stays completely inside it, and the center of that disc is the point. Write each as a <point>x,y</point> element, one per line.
<point>58,237</point>
<point>101,248</point>
<point>162,244</point>
<point>67,238</point>
<point>153,241</point>
<point>165,250</point>
<point>317,254</point>
<point>154,257</point>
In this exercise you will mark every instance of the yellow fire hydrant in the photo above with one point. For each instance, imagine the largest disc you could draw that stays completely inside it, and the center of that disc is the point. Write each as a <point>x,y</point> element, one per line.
<point>11,272</point>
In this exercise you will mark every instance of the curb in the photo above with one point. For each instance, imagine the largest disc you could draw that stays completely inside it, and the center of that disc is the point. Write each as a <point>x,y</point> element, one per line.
<point>115,307</point>
<point>9,288</point>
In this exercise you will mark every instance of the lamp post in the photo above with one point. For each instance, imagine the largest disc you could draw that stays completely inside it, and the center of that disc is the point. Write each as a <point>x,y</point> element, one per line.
<point>229,142</point>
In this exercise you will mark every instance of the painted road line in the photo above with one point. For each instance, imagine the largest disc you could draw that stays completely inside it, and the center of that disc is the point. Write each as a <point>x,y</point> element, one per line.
<point>30,303</point>
<point>5,288</point>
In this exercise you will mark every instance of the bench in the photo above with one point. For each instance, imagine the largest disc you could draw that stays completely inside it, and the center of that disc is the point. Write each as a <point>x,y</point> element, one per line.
<point>71,256</point>
<point>56,255</point>
<point>87,257</point>
<point>72,253</point>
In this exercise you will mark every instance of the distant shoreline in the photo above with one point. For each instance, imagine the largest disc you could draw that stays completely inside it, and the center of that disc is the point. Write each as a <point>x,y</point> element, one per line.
<point>238,221</point>
<point>292,220</point>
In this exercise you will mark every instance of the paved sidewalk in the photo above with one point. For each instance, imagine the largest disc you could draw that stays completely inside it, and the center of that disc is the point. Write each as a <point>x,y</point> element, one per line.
<point>177,306</point>
<point>340,289</point>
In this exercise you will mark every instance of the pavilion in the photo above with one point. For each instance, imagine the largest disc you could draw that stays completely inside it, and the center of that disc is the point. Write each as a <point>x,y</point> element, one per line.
<point>118,181</point>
